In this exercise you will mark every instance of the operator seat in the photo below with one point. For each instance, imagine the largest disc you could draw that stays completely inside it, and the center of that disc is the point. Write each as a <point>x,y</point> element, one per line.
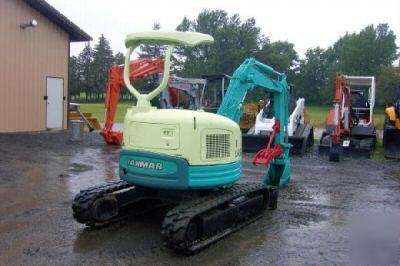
<point>360,107</point>
<point>268,111</point>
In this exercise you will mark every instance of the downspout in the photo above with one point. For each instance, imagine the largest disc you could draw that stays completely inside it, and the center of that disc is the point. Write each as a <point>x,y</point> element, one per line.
<point>69,82</point>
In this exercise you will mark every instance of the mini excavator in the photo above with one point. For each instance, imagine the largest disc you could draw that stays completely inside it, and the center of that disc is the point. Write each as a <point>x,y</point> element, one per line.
<point>189,161</point>
<point>350,126</point>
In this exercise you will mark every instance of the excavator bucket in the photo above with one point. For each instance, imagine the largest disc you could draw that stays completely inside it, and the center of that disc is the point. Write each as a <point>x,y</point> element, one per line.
<point>302,140</point>
<point>391,142</point>
<point>391,130</point>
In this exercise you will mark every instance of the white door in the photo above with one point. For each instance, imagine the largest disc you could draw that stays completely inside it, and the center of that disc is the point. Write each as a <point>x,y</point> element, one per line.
<point>54,103</point>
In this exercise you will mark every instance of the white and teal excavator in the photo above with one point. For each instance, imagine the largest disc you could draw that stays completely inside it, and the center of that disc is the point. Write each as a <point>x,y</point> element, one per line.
<point>189,161</point>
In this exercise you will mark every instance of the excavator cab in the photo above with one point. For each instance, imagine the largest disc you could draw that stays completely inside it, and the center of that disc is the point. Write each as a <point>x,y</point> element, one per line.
<point>215,91</point>
<point>360,107</point>
<point>183,93</point>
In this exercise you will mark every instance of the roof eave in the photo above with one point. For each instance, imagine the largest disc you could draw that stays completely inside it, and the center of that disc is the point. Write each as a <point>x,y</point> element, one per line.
<point>75,33</point>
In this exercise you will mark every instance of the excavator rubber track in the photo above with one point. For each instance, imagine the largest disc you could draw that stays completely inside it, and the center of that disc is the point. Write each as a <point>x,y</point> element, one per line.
<point>215,213</point>
<point>197,223</point>
<point>84,200</point>
<point>111,202</point>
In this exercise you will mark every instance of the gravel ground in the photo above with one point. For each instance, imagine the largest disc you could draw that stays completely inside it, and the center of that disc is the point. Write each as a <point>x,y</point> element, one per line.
<point>331,213</point>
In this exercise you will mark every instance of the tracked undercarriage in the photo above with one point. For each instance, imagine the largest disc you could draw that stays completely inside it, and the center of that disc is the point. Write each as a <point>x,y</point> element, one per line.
<point>195,219</point>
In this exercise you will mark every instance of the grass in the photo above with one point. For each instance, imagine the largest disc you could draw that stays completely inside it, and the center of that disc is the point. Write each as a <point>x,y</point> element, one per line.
<point>315,114</point>
<point>98,110</point>
<point>378,154</point>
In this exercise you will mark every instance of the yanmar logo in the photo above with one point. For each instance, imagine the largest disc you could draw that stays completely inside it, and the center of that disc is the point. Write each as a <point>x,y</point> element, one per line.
<point>145,164</point>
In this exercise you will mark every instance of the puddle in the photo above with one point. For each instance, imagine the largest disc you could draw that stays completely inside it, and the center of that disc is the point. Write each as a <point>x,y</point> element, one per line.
<point>78,168</point>
<point>92,167</point>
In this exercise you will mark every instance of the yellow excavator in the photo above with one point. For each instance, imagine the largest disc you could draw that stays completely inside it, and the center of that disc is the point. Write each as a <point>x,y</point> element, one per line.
<point>391,130</point>
<point>250,111</point>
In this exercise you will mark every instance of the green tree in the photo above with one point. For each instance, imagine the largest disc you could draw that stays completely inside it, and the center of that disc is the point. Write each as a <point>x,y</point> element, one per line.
<point>86,77</point>
<point>103,58</point>
<point>311,78</point>
<point>365,53</point>
<point>119,58</point>
<point>280,55</point>
<point>388,84</point>
<point>234,41</point>
<point>74,78</point>
<point>150,51</point>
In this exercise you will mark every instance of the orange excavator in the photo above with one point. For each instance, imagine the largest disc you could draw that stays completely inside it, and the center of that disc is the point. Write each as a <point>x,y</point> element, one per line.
<point>139,69</point>
<point>350,126</point>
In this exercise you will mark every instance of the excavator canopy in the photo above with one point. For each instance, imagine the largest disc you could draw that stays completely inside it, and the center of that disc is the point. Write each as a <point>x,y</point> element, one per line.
<point>167,38</point>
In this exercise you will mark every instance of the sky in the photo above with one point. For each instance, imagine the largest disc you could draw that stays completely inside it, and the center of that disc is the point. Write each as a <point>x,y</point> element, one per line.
<point>305,23</point>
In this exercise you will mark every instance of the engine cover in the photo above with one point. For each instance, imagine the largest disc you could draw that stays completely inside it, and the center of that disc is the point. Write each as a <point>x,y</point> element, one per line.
<point>199,137</point>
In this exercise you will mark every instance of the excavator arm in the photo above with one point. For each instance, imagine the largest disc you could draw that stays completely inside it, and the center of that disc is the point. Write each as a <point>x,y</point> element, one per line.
<point>252,74</point>
<point>249,75</point>
<point>139,69</point>
<point>339,118</point>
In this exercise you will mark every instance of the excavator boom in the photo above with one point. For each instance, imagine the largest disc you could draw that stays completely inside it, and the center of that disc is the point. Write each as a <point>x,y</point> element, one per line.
<point>340,115</point>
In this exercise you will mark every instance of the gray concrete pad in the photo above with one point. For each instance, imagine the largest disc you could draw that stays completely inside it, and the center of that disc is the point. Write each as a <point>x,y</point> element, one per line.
<point>331,213</point>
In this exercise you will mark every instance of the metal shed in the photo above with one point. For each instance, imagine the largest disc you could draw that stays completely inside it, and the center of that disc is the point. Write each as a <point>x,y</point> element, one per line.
<point>35,45</point>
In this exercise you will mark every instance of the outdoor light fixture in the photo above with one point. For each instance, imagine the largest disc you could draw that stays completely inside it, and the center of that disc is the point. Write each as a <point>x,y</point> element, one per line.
<point>33,23</point>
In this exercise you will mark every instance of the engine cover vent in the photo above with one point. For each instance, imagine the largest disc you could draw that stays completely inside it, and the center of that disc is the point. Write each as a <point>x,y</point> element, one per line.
<point>218,146</point>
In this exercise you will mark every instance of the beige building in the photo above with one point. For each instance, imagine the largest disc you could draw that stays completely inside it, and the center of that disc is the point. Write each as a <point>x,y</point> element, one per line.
<point>34,51</point>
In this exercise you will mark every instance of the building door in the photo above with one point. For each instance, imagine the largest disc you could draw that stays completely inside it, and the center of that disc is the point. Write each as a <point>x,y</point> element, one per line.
<point>54,116</point>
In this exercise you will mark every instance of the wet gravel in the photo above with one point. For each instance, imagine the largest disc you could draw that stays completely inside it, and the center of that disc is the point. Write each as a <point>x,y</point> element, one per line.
<point>331,213</point>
